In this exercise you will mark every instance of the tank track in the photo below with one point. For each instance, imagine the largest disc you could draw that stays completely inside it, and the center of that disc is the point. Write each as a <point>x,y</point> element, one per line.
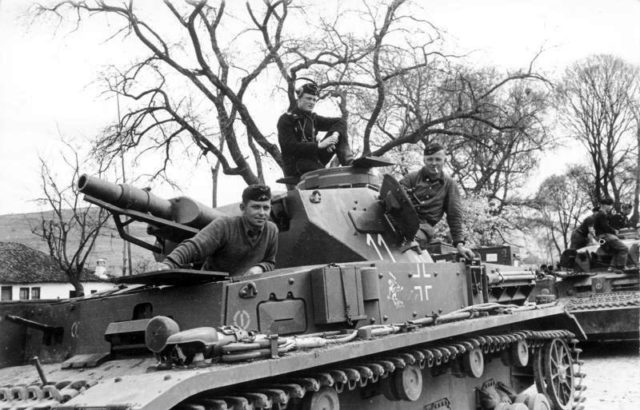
<point>278,393</point>
<point>604,300</point>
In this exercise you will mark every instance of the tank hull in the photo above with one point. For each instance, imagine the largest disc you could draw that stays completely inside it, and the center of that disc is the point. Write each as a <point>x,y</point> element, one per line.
<point>117,385</point>
<point>609,316</point>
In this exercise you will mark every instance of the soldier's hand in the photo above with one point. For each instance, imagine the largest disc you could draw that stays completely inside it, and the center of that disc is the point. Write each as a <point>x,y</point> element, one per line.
<point>254,270</point>
<point>465,252</point>
<point>158,266</point>
<point>330,140</point>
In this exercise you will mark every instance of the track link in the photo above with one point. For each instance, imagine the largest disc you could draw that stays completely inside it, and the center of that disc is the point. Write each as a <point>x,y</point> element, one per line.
<point>605,300</point>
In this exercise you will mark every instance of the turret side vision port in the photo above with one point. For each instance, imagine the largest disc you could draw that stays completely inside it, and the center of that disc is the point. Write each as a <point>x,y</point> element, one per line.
<point>51,334</point>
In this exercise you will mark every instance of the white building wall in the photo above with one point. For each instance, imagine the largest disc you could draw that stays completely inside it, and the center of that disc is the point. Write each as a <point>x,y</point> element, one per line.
<point>57,290</point>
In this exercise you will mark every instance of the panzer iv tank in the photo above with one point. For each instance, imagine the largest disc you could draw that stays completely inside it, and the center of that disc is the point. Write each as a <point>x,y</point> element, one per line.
<point>355,315</point>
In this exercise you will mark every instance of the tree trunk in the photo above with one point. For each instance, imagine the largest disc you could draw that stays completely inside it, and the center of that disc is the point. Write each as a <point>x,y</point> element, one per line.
<point>635,217</point>
<point>75,281</point>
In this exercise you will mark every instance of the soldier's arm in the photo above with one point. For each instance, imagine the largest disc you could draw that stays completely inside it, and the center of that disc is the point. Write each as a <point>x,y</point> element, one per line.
<point>195,249</point>
<point>289,143</point>
<point>453,210</point>
<point>331,124</point>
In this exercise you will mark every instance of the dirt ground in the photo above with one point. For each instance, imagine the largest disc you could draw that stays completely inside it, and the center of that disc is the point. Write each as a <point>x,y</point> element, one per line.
<point>613,376</point>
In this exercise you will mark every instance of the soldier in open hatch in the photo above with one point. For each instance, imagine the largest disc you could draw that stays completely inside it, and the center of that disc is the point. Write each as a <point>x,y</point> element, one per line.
<point>298,132</point>
<point>240,245</point>
<point>437,194</point>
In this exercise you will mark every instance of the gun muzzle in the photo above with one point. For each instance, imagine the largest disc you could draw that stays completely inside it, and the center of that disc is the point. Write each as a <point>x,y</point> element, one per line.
<point>125,196</point>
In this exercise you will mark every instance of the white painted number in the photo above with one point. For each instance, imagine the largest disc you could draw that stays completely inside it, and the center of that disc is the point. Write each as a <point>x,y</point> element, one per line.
<point>382,243</point>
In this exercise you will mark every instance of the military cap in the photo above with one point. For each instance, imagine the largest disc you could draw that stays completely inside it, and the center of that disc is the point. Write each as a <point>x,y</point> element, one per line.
<point>606,201</point>
<point>432,148</point>
<point>256,192</point>
<point>307,88</point>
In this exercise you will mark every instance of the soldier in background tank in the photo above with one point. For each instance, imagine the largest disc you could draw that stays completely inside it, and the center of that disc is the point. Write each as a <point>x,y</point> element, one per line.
<point>607,236</point>
<point>620,220</point>
<point>580,237</point>
<point>298,132</point>
<point>435,194</point>
<point>240,245</point>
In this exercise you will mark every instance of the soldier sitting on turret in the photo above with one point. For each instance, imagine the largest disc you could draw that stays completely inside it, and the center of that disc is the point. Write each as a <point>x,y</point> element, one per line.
<point>240,245</point>
<point>298,132</point>
<point>620,220</point>
<point>437,194</point>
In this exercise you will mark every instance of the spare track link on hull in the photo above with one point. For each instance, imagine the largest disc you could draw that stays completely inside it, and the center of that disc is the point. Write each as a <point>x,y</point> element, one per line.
<point>320,388</point>
<point>604,300</point>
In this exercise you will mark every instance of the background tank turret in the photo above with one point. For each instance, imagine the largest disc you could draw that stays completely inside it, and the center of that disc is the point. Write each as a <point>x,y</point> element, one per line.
<point>354,315</point>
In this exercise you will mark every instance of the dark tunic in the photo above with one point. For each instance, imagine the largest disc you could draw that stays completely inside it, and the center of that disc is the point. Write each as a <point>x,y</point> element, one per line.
<point>587,223</point>
<point>297,131</point>
<point>226,245</point>
<point>601,224</point>
<point>580,235</point>
<point>437,196</point>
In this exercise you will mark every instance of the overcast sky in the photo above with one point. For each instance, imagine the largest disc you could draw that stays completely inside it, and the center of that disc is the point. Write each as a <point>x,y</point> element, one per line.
<point>47,89</point>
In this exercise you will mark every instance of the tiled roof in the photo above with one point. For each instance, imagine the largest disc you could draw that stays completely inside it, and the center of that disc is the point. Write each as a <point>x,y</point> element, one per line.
<point>22,264</point>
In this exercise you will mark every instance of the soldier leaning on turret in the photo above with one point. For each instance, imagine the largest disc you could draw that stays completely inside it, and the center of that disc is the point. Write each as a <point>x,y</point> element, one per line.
<point>580,236</point>
<point>437,194</point>
<point>240,245</point>
<point>298,136</point>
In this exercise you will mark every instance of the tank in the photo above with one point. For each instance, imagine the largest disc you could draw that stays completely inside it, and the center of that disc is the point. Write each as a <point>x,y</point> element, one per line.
<point>607,304</point>
<point>356,315</point>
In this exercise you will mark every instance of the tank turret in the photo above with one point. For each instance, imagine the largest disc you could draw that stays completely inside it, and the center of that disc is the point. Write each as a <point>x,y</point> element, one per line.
<point>355,314</point>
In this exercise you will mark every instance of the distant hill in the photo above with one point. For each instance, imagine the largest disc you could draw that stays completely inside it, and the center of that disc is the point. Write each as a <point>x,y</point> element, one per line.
<point>22,264</point>
<point>109,246</point>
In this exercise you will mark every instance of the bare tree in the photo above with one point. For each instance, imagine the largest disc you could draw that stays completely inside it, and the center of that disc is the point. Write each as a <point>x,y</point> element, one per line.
<point>492,123</point>
<point>207,57</point>
<point>560,202</point>
<point>635,171</point>
<point>596,100</point>
<point>70,228</point>
<point>497,155</point>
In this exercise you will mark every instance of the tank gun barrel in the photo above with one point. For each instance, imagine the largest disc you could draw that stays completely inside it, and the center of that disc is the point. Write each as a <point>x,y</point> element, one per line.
<point>182,210</point>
